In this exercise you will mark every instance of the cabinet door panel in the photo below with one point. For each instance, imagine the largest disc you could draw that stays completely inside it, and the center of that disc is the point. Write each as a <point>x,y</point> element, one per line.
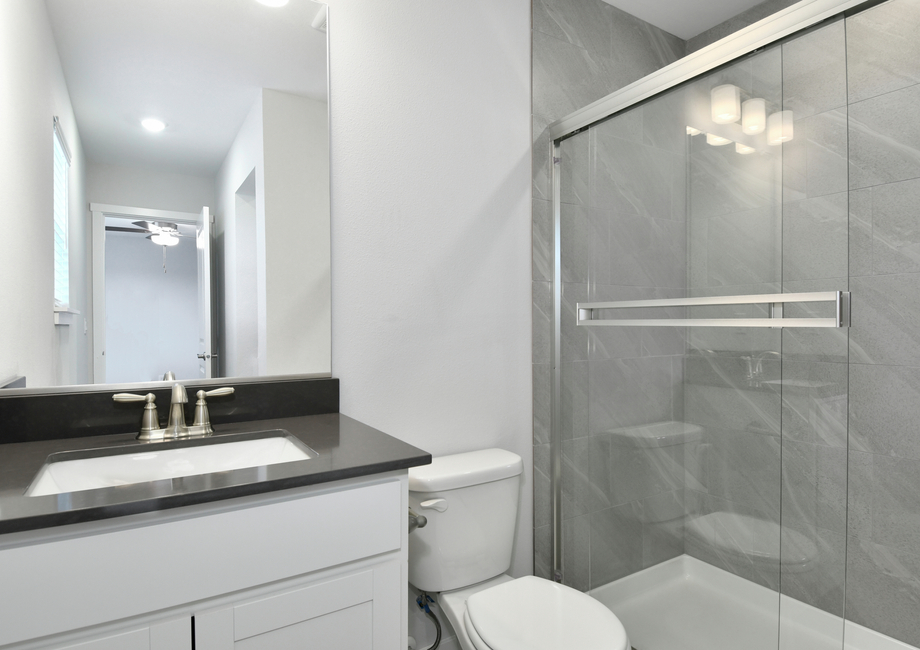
<point>303,604</point>
<point>347,629</point>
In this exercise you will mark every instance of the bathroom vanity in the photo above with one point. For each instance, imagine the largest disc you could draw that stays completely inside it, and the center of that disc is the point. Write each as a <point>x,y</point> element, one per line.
<point>261,557</point>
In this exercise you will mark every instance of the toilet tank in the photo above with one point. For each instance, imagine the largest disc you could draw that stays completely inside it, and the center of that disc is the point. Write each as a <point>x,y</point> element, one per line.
<point>471,503</point>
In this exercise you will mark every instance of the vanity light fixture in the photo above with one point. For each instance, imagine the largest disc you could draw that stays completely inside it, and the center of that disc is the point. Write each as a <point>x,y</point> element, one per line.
<point>716,140</point>
<point>153,125</point>
<point>743,149</point>
<point>692,131</point>
<point>726,104</point>
<point>779,127</point>
<point>754,116</point>
<point>163,239</point>
<point>273,3</point>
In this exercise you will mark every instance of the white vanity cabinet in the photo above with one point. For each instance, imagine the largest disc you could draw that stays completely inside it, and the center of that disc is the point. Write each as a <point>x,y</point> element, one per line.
<point>322,566</point>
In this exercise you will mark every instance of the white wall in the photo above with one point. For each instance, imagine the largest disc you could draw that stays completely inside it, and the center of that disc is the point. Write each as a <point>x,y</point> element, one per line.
<point>151,316</point>
<point>296,157</point>
<point>431,243</point>
<point>284,141</point>
<point>33,91</point>
<point>146,188</point>
<point>243,158</point>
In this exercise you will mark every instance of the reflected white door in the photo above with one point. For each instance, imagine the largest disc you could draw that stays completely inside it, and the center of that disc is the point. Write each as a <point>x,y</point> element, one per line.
<point>205,353</point>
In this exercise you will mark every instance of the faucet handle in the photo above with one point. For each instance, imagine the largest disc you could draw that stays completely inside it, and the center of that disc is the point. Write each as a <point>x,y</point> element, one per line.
<point>202,416</point>
<point>150,421</point>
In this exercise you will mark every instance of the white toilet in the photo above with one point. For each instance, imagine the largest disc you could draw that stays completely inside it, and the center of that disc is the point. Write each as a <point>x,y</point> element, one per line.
<point>471,503</point>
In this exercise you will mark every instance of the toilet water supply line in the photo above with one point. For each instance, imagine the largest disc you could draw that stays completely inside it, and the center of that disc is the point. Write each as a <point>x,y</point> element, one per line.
<point>422,602</point>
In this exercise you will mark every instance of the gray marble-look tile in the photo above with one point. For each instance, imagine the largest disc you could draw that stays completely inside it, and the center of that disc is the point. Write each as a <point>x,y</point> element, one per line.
<point>542,487</point>
<point>541,168</point>
<point>631,178</point>
<point>744,247</point>
<point>883,410</point>
<point>722,182</point>
<point>815,238</point>
<point>799,486</point>
<point>641,48</point>
<point>542,318</point>
<point>575,169</point>
<point>860,484</point>
<point>815,160</point>
<point>884,138</point>
<point>818,343</point>
<point>860,232</point>
<point>566,77</point>
<point>625,126</point>
<point>626,392</point>
<point>815,402</point>
<point>574,338</point>
<point>896,227</point>
<point>576,553</point>
<point>814,71</point>
<point>831,489</point>
<point>616,342</point>
<point>542,235</point>
<point>736,23</point>
<point>574,399</point>
<point>738,409</point>
<point>647,252</point>
<point>664,124</point>
<point>883,589</point>
<point>882,49</point>
<point>542,394</point>
<point>885,319</point>
<point>583,477</point>
<point>616,544</point>
<point>584,23</point>
<point>577,236</point>
<point>543,552</point>
<point>896,503</point>
<point>598,251</point>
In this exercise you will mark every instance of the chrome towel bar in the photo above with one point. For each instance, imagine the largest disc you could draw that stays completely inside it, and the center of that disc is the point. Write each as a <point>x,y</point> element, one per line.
<point>587,311</point>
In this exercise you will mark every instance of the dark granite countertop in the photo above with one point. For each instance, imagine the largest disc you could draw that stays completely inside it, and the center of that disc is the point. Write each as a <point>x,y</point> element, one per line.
<point>346,448</point>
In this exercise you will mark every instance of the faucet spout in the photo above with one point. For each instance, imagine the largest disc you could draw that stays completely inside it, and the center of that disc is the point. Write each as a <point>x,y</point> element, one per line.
<point>176,426</point>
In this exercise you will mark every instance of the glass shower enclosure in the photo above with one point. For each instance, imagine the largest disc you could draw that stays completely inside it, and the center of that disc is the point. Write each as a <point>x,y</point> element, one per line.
<point>701,352</point>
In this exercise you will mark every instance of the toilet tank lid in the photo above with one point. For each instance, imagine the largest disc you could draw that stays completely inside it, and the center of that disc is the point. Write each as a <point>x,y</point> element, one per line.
<point>462,470</point>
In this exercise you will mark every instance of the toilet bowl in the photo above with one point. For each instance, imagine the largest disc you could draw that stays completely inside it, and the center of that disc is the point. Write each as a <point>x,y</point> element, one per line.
<point>462,555</point>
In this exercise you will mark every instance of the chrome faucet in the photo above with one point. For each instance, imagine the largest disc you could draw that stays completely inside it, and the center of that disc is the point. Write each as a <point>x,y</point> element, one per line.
<point>176,426</point>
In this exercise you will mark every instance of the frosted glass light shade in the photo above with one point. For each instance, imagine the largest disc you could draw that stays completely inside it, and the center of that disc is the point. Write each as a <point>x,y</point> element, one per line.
<point>164,239</point>
<point>779,127</point>
<point>692,131</point>
<point>743,149</point>
<point>754,116</point>
<point>716,140</point>
<point>726,104</point>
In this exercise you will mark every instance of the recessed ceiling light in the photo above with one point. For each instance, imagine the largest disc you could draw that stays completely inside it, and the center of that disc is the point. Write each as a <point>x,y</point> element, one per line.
<point>273,3</point>
<point>153,125</point>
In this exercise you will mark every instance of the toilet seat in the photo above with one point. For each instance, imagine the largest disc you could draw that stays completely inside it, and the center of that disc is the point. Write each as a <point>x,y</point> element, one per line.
<point>535,614</point>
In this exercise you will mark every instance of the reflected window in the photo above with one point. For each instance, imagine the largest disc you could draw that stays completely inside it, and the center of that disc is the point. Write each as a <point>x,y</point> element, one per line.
<point>61,257</point>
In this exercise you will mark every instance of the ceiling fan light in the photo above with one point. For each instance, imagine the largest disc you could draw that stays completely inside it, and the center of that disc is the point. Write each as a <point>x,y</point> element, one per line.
<point>164,239</point>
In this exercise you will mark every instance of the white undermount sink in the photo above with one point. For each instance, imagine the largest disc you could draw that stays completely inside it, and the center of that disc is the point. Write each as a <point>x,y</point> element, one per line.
<point>111,468</point>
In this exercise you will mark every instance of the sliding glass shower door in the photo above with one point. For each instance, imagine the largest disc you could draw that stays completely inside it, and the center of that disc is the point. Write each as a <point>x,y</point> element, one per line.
<point>700,420</point>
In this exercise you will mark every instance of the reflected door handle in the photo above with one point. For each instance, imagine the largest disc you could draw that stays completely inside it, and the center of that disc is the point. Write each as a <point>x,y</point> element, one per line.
<point>204,356</point>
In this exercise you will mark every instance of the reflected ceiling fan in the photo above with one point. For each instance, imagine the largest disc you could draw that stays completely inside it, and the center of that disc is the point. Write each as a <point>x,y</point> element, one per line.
<point>162,233</point>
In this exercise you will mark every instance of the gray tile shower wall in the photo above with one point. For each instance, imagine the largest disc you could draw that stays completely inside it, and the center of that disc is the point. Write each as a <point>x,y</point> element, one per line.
<point>883,549</point>
<point>582,51</point>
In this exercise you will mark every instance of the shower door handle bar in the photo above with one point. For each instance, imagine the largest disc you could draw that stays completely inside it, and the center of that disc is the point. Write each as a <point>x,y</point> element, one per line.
<point>586,311</point>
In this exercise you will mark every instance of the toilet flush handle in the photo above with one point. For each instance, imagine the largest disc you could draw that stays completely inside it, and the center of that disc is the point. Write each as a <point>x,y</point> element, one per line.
<point>434,504</point>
